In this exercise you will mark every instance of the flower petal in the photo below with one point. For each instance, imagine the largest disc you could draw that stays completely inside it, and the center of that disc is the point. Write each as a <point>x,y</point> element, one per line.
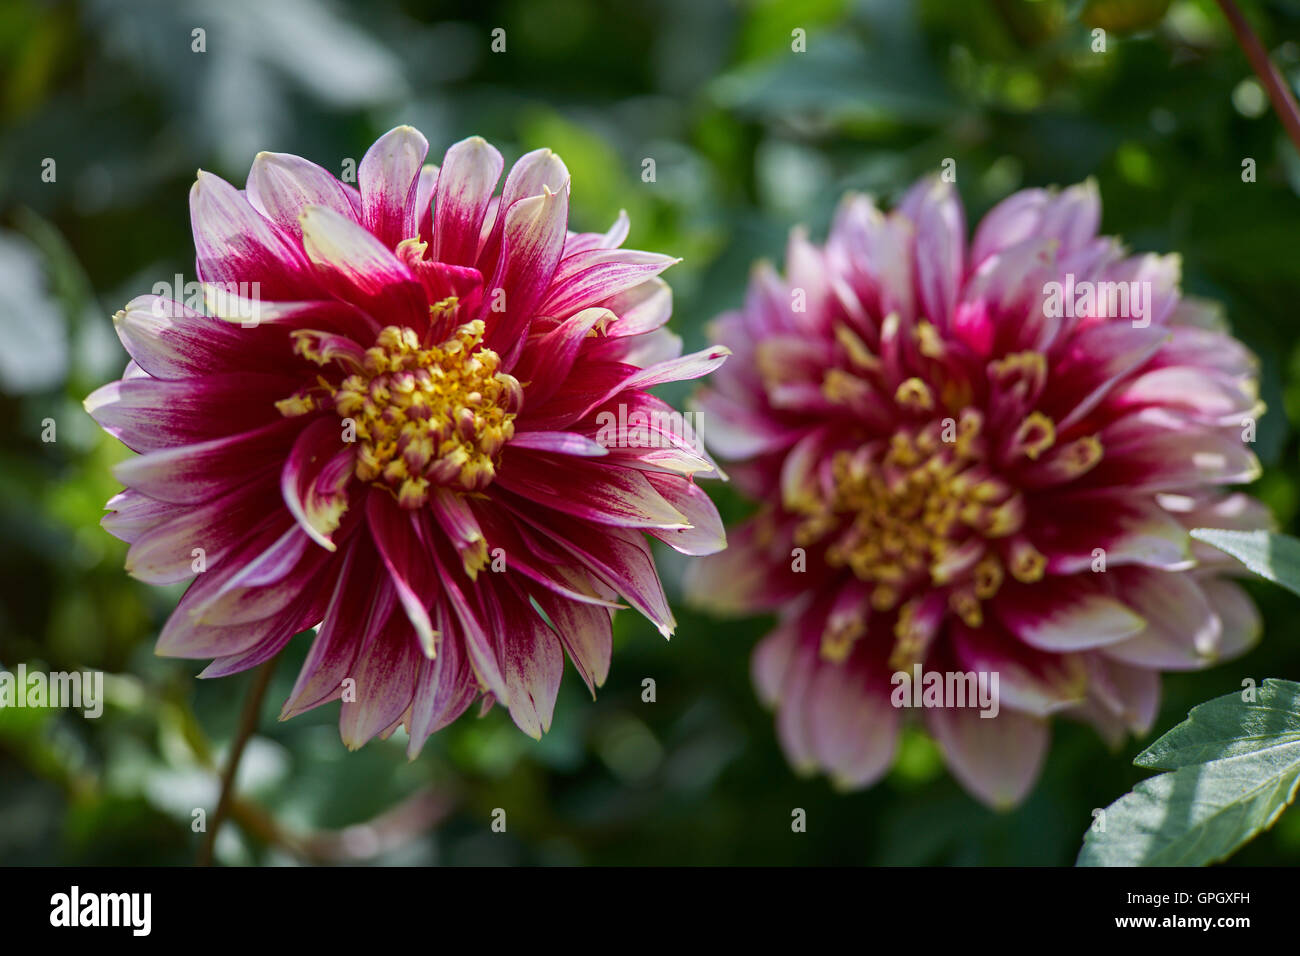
<point>532,664</point>
<point>359,607</point>
<point>281,185</point>
<point>531,244</point>
<point>1064,614</point>
<point>997,759</point>
<point>359,269</point>
<point>466,180</point>
<point>385,673</point>
<point>237,247</point>
<point>388,177</point>
<point>400,549</point>
<point>314,480</point>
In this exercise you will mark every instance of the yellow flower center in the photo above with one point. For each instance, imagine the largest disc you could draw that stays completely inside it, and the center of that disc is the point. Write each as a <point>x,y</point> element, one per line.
<point>926,519</point>
<point>420,416</point>
<point>920,512</point>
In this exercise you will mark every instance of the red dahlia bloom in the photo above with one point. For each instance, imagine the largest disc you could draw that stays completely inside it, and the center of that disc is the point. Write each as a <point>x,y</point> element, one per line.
<point>978,459</point>
<point>391,425</point>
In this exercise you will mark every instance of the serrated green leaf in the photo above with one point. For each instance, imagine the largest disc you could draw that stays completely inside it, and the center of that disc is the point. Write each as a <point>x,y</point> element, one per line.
<point>1236,767</point>
<point>1275,557</point>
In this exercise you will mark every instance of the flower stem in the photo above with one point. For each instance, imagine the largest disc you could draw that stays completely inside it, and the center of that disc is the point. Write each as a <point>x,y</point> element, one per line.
<point>247,724</point>
<point>1284,103</point>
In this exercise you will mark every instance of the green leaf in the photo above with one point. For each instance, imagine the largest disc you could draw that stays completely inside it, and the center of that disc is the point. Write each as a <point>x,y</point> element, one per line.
<point>1272,556</point>
<point>1235,767</point>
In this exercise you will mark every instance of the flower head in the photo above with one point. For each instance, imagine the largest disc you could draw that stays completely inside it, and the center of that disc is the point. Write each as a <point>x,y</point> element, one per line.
<point>390,423</point>
<point>978,459</point>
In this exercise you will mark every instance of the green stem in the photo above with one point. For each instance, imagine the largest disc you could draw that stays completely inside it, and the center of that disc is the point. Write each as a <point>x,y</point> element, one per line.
<point>247,724</point>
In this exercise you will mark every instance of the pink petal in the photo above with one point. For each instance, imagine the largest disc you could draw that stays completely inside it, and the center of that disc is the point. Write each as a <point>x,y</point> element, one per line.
<point>604,494</point>
<point>706,534</point>
<point>445,687</point>
<point>1237,614</point>
<point>641,309</point>
<point>400,549</point>
<point>997,759</point>
<point>584,630</point>
<point>360,605</point>
<point>532,175</point>
<point>559,443</point>
<point>474,629</point>
<point>359,269</point>
<point>315,477</point>
<point>1072,217</point>
<point>940,248</point>
<point>165,554</point>
<point>131,514</point>
<point>531,245</point>
<point>1063,614</point>
<point>1182,632</point>
<point>281,185</point>
<point>388,177</point>
<point>548,359</point>
<point>1029,681</point>
<point>532,663</point>
<point>468,176</point>
<point>1128,529</point>
<point>618,557</point>
<point>385,673</point>
<point>171,341</point>
<point>424,188</point>
<point>190,474</point>
<point>148,414</point>
<point>236,245</point>
<point>585,279</point>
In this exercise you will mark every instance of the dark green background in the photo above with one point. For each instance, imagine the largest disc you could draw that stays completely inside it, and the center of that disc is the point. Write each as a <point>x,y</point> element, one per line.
<point>748,139</point>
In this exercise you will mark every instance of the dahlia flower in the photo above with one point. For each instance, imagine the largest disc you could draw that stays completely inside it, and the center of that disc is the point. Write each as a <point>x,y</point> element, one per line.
<point>971,462</point>
<point>389,425</point>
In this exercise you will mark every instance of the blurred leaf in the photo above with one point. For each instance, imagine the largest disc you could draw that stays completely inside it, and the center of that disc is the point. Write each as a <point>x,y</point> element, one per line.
<point>1124,16</point>
<point>1236,767</point>
<point>1272,556</point>
<point>1033,21</point>
<point>841,80</point>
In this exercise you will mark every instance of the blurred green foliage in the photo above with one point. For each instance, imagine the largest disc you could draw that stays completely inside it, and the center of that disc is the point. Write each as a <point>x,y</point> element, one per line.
<point>748,138</point>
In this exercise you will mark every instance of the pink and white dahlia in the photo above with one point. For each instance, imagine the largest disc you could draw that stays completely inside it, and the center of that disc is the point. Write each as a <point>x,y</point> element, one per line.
<point>391,425</point>
<point>978,460</point>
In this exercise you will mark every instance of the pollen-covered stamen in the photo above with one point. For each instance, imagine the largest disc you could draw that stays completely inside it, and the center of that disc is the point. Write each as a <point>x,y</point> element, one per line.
<point>423,416</point>
<point>1064,462</point>
<point>1036,434</point>
<point>914,396</point>
<point>915,628</point>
